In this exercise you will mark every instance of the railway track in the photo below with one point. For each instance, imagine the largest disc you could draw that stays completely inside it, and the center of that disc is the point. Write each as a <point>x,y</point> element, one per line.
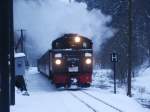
<point>102,101</point>
<point>82,101</point>
<point>77,95</point>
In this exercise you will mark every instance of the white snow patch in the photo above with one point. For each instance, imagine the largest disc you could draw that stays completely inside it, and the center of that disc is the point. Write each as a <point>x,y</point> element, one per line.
<point>143,79</point>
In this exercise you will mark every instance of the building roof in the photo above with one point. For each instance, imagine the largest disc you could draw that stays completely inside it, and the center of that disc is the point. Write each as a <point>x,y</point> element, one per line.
<point>17,55</point>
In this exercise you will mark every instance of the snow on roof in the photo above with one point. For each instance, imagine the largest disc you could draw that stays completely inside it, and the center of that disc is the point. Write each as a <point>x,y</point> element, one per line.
<point>17,55</point>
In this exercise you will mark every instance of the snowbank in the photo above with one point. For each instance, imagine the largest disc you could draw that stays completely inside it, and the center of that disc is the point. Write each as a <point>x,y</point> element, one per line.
<point>143,79</point>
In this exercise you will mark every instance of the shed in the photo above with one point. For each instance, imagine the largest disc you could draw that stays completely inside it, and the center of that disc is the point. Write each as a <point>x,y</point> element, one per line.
<point>19,63</point>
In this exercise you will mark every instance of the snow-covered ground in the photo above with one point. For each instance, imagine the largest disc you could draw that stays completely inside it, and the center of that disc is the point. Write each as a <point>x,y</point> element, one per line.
<point>45,98</point>
<point>141,87</point>
<point>140,84</point>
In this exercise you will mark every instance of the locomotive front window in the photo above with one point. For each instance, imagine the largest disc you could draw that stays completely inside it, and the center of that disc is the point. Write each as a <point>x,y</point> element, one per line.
<point>84,45</point>
<point>72,42</point>
<point>73,45</point>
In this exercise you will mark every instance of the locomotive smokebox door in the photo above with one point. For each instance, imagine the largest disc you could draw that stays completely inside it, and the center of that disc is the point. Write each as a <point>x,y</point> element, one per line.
<point>19,64</point>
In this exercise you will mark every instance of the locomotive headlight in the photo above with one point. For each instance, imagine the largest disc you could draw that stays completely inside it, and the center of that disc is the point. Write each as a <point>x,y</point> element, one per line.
<point>88,61</point>
<point>77,39</point>
<point>58,62</point>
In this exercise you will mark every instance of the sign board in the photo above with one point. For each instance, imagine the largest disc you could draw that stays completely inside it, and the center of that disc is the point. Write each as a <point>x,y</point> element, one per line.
<point>114,57</point>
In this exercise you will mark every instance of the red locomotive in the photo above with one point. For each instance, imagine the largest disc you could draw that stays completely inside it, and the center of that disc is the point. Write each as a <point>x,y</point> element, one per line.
<point>69,62</point>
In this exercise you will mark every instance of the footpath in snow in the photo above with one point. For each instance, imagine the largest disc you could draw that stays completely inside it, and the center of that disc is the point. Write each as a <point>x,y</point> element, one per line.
<point>45,98</point>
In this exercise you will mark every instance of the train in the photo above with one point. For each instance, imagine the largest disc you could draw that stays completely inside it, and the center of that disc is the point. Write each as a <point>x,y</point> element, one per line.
<point>69,61</point>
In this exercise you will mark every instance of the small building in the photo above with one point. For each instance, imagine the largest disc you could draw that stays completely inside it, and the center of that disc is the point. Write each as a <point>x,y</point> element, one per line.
<point>19,64</point>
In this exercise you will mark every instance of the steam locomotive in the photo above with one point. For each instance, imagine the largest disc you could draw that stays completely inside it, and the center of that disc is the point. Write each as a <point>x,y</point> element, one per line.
<point>69,62</point>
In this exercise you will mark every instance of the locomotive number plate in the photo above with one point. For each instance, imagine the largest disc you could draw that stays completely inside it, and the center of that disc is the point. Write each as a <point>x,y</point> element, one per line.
<point>73,69</point>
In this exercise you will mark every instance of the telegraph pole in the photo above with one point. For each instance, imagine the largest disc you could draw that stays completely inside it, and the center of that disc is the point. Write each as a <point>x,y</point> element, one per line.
<point>12,60</point>
<point>22,40</point>
<point>20,43</point>
<point>20,46</point>
<point>5,20</point>
<point>129,48</point>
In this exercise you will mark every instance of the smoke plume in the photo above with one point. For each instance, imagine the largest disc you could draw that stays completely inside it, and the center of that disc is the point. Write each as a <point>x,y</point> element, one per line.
<point>45,20</point>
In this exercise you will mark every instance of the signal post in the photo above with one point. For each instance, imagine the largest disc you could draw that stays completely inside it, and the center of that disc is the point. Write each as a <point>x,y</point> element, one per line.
<point>114,59</point>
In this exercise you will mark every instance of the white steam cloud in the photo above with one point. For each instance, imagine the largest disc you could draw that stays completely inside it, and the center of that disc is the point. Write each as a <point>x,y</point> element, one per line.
<point>46,20</point>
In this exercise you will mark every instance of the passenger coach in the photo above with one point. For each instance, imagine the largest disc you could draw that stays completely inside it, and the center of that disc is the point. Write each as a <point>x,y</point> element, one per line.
<point>69,62</point>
